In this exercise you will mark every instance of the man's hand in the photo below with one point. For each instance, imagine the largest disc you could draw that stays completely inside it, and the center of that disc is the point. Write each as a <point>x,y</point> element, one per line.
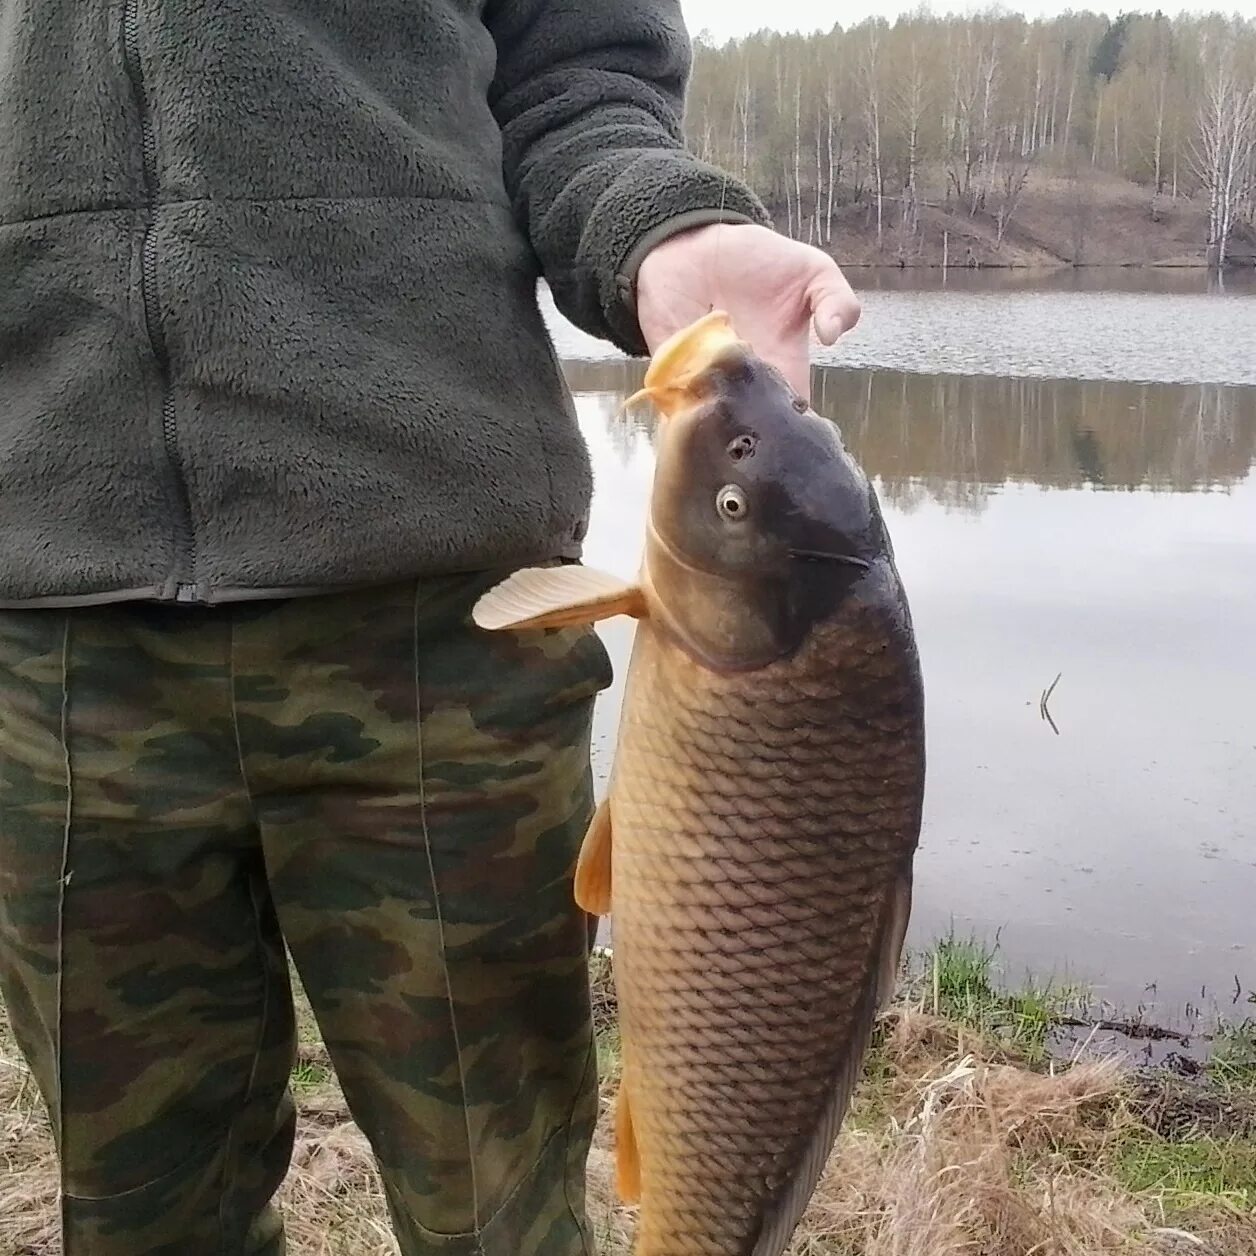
<point>773,288</point>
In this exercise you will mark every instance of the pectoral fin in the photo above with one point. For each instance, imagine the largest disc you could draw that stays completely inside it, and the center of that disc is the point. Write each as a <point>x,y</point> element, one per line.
<point>557,597</point>
<point>593,868</point>
<point>627,1161</point>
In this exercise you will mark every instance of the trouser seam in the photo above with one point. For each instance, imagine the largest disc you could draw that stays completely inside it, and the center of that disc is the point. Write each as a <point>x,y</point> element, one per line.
<point>199,1154</point>
<point>263,961</point>
<point>590,1059</point>
<point>440,924</point>
<point>230,1150</point>
<point>235,719</point>
<point>61,896</point>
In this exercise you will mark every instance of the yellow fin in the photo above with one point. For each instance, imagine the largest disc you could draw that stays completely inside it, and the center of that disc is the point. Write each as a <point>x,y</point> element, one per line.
<point>891,959</point>
<point>627,1161</point>
<point>682,357</point>
<point>556,597</point>
<point>593,868</point>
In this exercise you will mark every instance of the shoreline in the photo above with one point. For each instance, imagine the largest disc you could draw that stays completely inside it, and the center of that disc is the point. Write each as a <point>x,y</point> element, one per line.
<point>1066,1020</point>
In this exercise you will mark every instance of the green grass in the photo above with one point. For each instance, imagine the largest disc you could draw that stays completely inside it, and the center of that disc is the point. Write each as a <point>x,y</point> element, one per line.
<point>1199,1166</point>
<point>957,980</point>
<point>1232,1063</point>
<point>1183,1173</point>
<point>309,1075</point>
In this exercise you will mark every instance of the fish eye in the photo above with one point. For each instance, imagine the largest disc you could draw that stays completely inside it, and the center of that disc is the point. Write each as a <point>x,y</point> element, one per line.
<point>731,503</point>
<point>742,446</point>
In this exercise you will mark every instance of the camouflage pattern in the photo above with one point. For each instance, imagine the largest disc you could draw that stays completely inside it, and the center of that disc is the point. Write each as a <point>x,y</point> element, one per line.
<point>367,778</point>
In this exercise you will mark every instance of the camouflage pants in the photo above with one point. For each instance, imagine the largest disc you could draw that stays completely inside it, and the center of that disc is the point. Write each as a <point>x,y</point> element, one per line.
<point>367,778</point>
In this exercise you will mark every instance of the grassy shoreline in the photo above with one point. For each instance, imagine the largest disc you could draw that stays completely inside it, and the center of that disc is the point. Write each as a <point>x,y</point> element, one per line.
<point>969,1134</point>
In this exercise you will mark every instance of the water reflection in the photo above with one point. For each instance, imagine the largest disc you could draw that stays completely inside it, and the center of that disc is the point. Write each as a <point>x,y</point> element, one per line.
<point>1103,531</point>
<point>956,439</point>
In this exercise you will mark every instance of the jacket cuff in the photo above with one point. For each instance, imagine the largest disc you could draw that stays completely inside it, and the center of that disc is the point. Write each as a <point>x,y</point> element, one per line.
<point>657,198</point>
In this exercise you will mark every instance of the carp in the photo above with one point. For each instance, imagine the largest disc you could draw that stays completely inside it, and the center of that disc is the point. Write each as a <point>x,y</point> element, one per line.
<point>756,844</point>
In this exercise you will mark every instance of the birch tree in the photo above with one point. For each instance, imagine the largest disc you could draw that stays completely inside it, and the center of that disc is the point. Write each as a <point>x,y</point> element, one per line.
<point>1223,155</point>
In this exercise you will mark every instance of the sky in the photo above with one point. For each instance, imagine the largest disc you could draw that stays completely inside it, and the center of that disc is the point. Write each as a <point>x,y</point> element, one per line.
<point>727,19</point>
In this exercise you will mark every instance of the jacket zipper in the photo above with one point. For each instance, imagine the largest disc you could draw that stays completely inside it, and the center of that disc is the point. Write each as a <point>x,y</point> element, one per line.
<point>185,541</point>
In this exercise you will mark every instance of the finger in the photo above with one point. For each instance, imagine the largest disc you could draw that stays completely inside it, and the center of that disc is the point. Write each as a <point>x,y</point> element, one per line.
<point>835,308</point>
<point>783,347</point>
<point>794,362</point>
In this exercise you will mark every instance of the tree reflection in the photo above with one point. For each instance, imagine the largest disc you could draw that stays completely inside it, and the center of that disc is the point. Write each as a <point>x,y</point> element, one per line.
<point>955,439</point>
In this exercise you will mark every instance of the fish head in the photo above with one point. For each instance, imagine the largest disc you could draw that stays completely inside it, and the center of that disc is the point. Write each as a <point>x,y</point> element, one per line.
<point>760,520</point>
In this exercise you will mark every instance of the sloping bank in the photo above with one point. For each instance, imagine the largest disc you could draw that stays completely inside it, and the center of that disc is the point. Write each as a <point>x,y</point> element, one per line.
<point>968,1136</point>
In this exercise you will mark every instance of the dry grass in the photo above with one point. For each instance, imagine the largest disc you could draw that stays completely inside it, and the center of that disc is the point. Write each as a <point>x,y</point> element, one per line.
<point>956,1146</point>
<point>27,1180</point>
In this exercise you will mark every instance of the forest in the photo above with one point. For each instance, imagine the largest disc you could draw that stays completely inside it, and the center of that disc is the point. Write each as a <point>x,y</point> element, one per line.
<point>962,139</point>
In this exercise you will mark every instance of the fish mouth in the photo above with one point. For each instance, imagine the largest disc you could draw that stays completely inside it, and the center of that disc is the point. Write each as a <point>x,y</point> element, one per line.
<point>826,556</point>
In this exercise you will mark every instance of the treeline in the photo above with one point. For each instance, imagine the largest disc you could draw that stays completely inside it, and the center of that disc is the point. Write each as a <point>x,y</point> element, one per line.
<point>960,111</point>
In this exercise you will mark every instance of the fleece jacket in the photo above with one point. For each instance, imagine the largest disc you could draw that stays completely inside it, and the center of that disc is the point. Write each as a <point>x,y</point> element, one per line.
<point>268,272</point>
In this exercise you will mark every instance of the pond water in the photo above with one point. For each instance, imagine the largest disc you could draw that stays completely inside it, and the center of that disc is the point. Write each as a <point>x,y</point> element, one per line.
<point>1070,525</point>
<point>1156,326</point>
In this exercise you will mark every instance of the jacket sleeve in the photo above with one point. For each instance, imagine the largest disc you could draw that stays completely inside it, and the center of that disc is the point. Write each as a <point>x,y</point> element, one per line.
<point>589,95</point>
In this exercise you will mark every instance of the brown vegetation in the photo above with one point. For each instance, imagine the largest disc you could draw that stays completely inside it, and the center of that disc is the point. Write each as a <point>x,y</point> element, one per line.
<point>1092,219</point>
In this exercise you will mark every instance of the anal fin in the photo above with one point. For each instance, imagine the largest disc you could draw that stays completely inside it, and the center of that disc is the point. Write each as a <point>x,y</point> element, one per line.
<point>593,868</point>
<point>899,913</point>
<point>627,1160</point>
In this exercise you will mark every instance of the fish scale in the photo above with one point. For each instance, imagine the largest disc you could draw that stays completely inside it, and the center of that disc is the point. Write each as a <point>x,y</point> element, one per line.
<point>744,934</point>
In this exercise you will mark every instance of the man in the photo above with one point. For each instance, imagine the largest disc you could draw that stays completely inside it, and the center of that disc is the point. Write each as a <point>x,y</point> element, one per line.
<point>276,405</point>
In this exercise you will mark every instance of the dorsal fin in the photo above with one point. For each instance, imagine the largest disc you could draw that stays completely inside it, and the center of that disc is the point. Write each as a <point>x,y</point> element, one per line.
<point>682,358</point>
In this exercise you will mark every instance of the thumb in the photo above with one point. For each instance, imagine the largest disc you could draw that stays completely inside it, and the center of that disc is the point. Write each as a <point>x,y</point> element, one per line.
<point>834,306</point>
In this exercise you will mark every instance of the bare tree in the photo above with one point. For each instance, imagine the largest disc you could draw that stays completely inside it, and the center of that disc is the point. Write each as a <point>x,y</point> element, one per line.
<point>798,149</point>
<point>1162,88</point>
<point>988,71</point>
<point>910,99</point>
<point>1012,183</point>
<point>1223,155</point>
<point>961,141</point>
<point>834,160</point>
<point>870,75</point>
<point>745,110</point>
